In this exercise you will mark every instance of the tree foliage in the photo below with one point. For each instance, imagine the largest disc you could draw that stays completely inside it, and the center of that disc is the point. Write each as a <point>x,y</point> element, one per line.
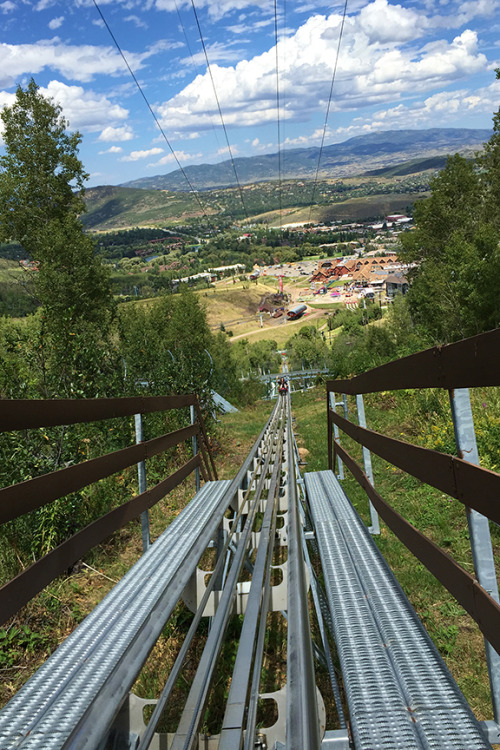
<point>41,197</point>
<point>41,177</point>
<point>454,249</point>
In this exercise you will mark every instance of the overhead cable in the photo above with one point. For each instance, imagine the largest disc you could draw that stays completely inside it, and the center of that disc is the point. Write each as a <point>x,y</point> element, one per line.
<point>328,109</point>
<point>278,120</point>
<point>219,108</point>
<point>195,193</point>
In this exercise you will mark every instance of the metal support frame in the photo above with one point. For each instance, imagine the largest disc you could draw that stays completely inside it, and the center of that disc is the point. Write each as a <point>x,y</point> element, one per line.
<point>141,475</point>
<point>367,462</point>
<point>195,448</point>
<point>302,722</point>
<point>336,434</point>
<point>479,528</point>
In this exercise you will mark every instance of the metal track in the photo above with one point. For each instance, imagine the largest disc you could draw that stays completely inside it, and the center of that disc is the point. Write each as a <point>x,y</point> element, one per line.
<point>399,691</point>
<point>74,696</point>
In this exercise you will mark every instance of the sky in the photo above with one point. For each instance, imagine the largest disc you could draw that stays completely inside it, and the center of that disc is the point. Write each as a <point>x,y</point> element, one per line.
<point>413,64</point>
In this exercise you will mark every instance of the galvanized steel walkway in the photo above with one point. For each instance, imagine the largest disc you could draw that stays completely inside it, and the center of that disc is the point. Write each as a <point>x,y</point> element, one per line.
<point>399,693</point>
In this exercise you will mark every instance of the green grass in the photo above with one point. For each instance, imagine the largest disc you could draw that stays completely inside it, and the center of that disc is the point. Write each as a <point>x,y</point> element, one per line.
<point>10,270</point>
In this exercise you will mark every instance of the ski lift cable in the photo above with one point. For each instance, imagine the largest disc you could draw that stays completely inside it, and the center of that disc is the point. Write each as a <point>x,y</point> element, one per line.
<point>278,121</point>
<point>328,109</point>
<point>209,69</point>
<point>141,91</point>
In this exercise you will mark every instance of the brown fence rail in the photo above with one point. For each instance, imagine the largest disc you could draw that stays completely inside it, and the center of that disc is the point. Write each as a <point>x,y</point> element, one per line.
<point>24,497</point>
<point>472,362</point>
<point>464,587</point>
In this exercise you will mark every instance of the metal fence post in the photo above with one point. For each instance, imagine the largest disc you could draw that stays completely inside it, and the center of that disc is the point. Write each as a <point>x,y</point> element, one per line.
<point>479,528</point>
<point>367,462</point>
<point>336,435</point>
<point>141,475</point>
<point>195,449</point>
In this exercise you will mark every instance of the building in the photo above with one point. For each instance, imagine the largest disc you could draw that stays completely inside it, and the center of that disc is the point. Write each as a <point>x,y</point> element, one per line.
<point>395,283</point>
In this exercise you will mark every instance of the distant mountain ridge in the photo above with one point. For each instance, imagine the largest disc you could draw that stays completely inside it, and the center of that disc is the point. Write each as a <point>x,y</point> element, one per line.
<point>354,156</point>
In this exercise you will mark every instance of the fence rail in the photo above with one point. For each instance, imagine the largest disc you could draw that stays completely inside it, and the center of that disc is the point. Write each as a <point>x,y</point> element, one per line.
<point>470,363</point>
<point>473,362</point>
<point>24,497</point>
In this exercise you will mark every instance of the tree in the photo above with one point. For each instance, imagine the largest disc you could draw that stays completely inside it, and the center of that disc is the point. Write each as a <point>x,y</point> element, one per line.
<point>40,170</point>
<point>455,251</point>
<point>490,164</point>
<point>41,198</point>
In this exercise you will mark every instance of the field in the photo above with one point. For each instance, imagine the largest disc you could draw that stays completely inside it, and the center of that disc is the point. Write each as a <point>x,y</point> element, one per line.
<point>354,209</point>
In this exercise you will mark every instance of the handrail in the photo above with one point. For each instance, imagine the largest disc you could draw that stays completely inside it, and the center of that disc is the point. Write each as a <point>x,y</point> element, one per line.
<point>31,494</point>
<point>20,414</point>
<point>473,485</point>
<point>21,589</point>
<point>464,587</point>
<point>27,496</point>
<point>473,362</point>
<point>470,363</point>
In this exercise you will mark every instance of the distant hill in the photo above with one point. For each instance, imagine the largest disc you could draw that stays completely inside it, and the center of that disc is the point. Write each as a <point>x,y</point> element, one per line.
<point>414,166</point>
<point>355,156</point>
<point>112,207</point>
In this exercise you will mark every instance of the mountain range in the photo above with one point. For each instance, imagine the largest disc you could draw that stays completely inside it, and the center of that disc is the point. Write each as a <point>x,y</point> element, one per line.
<point>352,157</point>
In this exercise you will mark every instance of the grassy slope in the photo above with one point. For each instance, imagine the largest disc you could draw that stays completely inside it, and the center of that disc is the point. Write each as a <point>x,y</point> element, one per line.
<point>112,207</point>
<point>122,208</point>
<point>10,270</point>
<point>353,209</point>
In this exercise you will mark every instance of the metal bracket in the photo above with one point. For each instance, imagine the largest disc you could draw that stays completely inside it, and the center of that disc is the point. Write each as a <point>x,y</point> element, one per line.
<point>491,730</point>
<point>194,591</point>
<point>276,734</point>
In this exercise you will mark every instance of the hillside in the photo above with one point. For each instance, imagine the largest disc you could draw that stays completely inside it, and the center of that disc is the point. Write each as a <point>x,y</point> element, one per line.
<point>364,198</point>
<point>356,155</point>
<point>110,207</point>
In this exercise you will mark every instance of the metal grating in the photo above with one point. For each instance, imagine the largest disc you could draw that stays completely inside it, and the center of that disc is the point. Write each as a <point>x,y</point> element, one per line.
<point>400,692</point>
<point>98,658</point>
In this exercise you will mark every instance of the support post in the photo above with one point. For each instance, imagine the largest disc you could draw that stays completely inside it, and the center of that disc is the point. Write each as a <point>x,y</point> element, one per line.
<point>336,435</point>
<point>367,462</point>
<point>141,476</point>
<point>195,449</point>
<point>479,528</point>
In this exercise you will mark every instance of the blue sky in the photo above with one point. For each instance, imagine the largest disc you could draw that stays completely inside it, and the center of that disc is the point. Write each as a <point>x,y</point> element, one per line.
<point>419,64</point>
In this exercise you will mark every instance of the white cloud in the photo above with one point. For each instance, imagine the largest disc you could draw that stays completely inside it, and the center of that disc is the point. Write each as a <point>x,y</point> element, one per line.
<point>136,155</point>
<point>443,107</point>
<point>74,62</point>
<point>216,8</point>
<point>384,23</point>
<point>139,23</point>
<point>304,141</point>
<point>182,156</point>
<point>112,150</point>
<point>109,133</point>
<point>216,52</point>
<point>372,69</point>
<point>85,110</point>
<point>7,7</point>
<point>56,23</point>
<point>224,151</point>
